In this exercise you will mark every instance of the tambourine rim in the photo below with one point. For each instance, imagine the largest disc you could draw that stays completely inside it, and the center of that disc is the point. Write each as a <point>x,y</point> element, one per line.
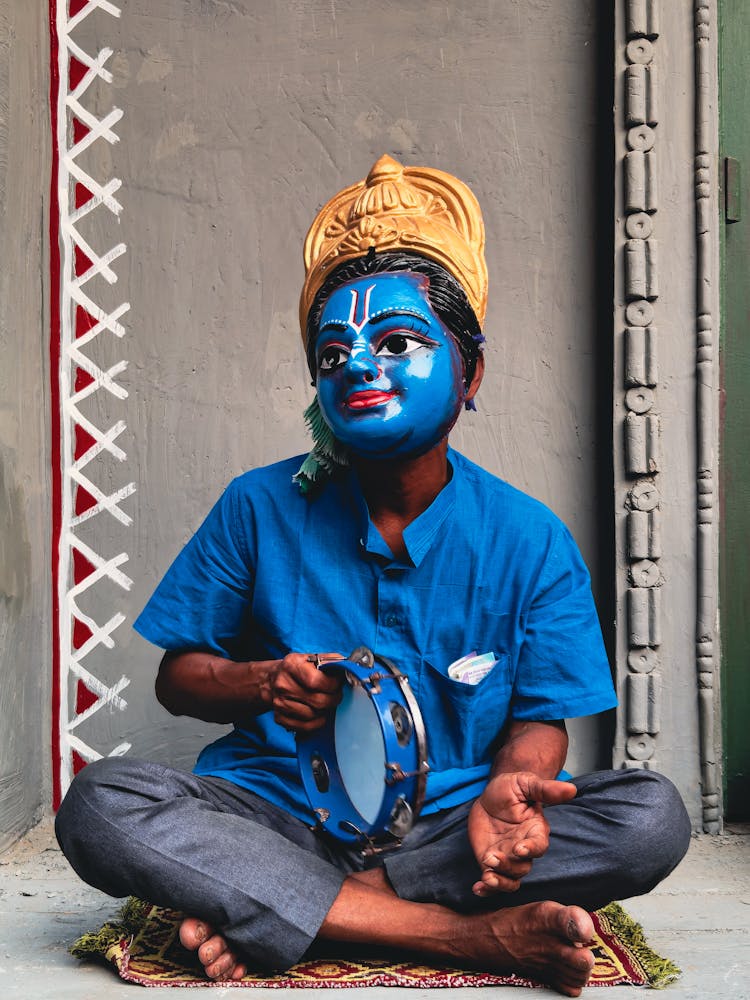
<point>419,730</point>
<point>418,776</point>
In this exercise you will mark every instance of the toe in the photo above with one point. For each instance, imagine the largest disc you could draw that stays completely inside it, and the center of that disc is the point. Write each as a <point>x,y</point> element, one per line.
<point>222,968</point>
<point>569,990</point>
<point>578,926</point>
<point>193,933</point>
<point>577,971</point>
<point>211,950</point>
<point>239,972</point>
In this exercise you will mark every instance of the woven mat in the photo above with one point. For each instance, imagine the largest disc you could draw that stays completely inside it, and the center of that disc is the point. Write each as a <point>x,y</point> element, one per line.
<point>143,946</point>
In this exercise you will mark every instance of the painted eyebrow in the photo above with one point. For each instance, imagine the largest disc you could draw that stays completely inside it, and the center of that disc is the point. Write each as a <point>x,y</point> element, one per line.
<point>334,324</point>
<point>331,325</point>
<point>385,314</point>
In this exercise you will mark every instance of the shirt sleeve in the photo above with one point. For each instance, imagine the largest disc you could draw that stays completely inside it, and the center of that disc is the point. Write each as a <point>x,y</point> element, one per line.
<point>563,671</point>
<point>203,599</point>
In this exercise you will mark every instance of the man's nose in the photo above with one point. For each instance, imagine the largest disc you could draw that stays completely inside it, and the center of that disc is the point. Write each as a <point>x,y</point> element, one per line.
<point>361,366</point>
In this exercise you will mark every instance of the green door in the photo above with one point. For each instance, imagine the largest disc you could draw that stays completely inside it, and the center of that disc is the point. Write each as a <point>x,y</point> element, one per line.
<point>734,111</point>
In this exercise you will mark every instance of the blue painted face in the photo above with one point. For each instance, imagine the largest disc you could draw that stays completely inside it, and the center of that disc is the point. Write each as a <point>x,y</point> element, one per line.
<point>390,376</point>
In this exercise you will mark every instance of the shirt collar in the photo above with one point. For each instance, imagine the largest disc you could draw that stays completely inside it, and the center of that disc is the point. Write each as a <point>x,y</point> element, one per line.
<point>420,534</point>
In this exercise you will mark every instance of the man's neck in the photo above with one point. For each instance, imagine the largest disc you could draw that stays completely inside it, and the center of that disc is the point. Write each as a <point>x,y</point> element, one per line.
<point>397,492</point>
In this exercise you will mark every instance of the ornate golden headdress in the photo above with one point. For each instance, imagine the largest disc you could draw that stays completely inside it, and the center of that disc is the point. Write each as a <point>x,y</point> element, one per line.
<point>400,208</point>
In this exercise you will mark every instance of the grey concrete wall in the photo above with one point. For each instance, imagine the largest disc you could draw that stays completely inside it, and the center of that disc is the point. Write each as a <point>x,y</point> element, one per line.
<point>25,642</point>
<point>240,120</point>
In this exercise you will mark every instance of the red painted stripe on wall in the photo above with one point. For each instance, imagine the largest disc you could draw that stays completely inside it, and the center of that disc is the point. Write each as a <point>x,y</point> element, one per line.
<point>55,424</point>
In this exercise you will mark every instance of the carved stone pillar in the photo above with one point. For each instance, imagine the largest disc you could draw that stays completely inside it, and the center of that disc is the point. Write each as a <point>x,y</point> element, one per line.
<point>666,317</point>
<point>706,231</point>
<point>641,425</point>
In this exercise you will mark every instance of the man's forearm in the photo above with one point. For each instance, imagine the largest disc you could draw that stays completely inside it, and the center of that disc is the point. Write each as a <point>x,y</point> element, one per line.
<point>536,747</point>
<point>507,828</point>
<point>208,687</point>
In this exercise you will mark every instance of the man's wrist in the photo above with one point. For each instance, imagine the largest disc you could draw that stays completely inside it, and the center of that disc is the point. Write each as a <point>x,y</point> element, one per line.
<point>261,677</point>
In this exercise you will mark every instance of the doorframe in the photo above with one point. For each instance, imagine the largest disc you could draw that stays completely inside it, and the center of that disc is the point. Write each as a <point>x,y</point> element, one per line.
<point>730,588</point>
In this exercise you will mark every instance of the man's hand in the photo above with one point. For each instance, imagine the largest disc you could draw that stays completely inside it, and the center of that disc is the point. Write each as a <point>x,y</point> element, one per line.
<point>302,695</point>
<point>507,828</point>
<point>209,687</point>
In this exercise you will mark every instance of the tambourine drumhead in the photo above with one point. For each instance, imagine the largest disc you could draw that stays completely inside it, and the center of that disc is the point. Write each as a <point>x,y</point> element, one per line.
<point>365,771</point>
<point>360,751</point>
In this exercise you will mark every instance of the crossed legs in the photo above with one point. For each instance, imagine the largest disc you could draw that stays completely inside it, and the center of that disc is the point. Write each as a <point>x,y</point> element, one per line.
<point>192,843</point>
<point>544,940</point>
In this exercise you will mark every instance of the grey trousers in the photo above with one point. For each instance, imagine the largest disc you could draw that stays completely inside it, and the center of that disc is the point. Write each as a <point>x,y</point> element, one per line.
<point>266,881</point>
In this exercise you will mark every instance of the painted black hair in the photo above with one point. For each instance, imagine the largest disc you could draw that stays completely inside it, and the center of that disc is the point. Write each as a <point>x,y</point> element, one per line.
<point>446,296</point>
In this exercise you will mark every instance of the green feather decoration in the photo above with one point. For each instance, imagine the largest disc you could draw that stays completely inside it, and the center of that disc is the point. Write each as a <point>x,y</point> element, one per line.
<point>327,457</point>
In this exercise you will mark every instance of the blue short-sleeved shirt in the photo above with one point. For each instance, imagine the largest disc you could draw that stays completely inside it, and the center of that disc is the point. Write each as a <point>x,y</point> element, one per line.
<point>488,569</point>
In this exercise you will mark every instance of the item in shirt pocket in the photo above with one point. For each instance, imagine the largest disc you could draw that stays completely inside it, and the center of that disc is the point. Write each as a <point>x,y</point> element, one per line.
<point>470,669</point>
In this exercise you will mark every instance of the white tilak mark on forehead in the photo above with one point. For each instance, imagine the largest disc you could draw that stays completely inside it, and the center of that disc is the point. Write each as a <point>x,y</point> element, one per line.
<point>352,321</point>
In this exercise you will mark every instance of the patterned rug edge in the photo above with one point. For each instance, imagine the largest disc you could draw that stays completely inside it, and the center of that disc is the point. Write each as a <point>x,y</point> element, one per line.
<point>141,943</point>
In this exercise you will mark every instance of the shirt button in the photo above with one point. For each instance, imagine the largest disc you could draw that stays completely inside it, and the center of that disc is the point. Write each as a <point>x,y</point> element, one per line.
<point>392,620</point>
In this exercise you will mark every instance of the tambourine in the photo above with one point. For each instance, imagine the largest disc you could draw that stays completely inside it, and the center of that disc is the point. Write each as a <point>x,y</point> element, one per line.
<point>365,770</point>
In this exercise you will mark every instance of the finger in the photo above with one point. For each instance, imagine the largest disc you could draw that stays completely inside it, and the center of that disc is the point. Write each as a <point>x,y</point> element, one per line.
<point>299,719</point>
<point>530,850</point>
<point>491,883</point>
<point>289,688</point>
<point>532,847</point>
<point>298,726</point>
<point>298,701</point>
<point>547,791</point>
<point>319,660</point>
<point>304,710</point>
<point>308,675</point>
<point>508,867</point>
<point>534,842</point>
<point>514,869</point>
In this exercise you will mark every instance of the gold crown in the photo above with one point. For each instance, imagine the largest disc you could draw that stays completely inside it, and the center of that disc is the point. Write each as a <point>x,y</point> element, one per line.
<point>400,208</point>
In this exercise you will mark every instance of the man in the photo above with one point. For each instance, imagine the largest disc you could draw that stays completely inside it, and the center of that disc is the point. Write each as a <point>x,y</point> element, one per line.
<point>388,538</point>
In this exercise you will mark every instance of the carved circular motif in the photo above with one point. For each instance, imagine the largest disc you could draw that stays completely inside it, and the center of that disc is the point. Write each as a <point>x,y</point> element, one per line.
<point>640,50</point>
<point>641,747</point>
<point>642,138</point>
<point>639,313</point>
<point>639,226</point>
<point>644,496</point>
<point>639,400</point>
<point>643,661</point>
<point>645,573</point>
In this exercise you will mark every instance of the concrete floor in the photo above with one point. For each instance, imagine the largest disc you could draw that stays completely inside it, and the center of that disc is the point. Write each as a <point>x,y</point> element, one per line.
<point>699,917</point>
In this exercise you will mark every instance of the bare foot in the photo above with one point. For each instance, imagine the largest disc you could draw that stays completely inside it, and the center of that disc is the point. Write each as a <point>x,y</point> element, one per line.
<point>546,941</point>
<point>218,960</point>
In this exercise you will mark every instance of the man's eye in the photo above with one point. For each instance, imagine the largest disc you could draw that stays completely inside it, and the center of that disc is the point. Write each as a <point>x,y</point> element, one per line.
<point>399,343</point>
<point>332,357</point>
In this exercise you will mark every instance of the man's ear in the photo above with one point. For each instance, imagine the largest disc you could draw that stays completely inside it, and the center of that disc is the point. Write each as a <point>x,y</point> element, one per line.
<point>477,380</point>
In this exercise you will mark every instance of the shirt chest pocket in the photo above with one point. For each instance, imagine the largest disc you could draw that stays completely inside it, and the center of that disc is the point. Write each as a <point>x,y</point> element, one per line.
<point>463,721</point>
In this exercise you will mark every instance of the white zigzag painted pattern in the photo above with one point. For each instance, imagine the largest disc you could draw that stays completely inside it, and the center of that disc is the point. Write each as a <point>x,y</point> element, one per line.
<point>80,567</point>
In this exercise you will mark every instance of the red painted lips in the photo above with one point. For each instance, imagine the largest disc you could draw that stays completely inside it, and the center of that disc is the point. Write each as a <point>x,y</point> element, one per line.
<point>367,398</point>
